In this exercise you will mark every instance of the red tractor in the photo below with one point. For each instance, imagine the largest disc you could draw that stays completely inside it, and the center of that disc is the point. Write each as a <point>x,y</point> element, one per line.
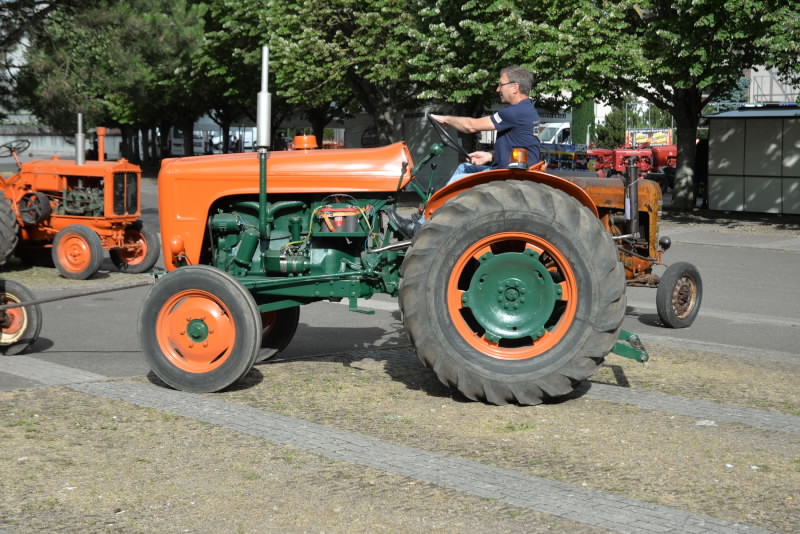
<point>655,163</point>
<point>76,209</point>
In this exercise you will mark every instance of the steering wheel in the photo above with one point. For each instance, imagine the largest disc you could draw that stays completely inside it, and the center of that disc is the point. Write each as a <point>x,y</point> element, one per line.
<point>447,139</point>
<point>12,147</point>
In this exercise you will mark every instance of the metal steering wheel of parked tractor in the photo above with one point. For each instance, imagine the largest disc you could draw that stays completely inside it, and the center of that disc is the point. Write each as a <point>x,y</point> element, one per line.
<point>14,147</point>
<point>447,139</point>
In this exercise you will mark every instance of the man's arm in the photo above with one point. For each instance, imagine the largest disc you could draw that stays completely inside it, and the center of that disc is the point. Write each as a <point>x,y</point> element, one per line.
<point>466,124</point>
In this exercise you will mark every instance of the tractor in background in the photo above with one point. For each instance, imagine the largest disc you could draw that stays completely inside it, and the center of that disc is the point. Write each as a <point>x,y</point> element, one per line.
<point>656,163</point>
<point>75,210</point>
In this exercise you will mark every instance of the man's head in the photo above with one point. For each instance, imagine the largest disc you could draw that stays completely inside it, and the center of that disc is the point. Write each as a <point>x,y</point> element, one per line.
<point>515,84</point>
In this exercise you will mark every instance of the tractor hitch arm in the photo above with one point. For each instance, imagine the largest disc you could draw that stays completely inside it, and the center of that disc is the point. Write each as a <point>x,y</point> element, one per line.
<point>629,346</point>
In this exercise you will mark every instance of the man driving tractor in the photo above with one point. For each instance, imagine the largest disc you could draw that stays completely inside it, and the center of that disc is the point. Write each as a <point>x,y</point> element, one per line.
<point>515,125</point>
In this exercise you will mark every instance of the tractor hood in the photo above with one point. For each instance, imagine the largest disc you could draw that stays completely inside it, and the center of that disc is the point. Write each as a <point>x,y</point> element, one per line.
<point>346,170</point>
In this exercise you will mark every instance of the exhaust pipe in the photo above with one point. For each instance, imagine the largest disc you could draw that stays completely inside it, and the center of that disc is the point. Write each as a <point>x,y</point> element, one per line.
<point>632,198</point>
<point>101,143</point>
<point>80,143</point>
<point>263,114</point>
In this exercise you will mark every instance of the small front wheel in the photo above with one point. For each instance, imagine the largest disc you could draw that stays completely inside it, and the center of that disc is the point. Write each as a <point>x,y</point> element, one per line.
<point>679,293</point>
<point>77,252</point>
<point>200,329</point>
<point>277,330</point>
<point>19,327</point>
<point>139,251</point>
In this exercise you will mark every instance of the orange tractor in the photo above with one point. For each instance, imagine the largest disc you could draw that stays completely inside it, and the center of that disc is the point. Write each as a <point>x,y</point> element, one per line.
<point>76,209</point>
<point>512,291</point>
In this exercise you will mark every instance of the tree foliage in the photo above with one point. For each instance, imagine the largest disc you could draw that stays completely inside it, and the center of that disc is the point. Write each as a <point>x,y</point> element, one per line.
<point>138,61</point>
<point>678,55</point>
<point>120,63</point>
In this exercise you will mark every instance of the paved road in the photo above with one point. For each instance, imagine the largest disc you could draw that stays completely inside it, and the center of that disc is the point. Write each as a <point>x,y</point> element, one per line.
<point>751,294</point>
<point>750,306</point>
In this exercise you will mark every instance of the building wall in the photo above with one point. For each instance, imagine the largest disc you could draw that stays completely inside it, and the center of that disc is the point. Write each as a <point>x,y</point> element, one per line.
<point>754,164</point>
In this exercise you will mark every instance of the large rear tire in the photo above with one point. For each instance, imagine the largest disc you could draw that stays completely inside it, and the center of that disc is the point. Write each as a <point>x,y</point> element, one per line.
<point>77,252</point>
<point>19,327</point>
<point>200,329</point>
<point>139,252</point>
<point>512,292</point>
<point>9,229</point>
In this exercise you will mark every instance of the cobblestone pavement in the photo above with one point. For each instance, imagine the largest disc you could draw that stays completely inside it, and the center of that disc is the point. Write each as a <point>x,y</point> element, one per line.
<point>612,512</point>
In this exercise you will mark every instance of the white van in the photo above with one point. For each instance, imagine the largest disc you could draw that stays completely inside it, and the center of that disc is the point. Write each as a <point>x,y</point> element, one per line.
<point>555,133</point>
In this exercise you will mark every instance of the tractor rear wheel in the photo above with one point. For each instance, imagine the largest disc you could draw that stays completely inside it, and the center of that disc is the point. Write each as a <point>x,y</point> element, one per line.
<point>679,294</point>
<point>277,330</point>
<point>139,252</point>
<point>19,327</point>
<point>512,292</point>
<point>9,228</point>
<point>200,329</point>
<point>77,252</point>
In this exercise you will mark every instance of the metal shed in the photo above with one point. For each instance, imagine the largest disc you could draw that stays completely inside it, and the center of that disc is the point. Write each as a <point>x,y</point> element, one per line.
<point>754,160</point>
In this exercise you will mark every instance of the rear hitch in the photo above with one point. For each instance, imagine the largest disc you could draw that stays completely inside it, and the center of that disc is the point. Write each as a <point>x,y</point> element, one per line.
<point>634,350</point>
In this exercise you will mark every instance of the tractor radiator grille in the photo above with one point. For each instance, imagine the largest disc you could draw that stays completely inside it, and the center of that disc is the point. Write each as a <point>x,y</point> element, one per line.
<point>126,193</point>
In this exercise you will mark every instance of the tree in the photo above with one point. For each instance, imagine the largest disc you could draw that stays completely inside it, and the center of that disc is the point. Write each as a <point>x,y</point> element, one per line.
<point>120,63</point>
<point>678,55</point>
<point>464,46</point>
<point>21,20</point>
<point>611,133</point>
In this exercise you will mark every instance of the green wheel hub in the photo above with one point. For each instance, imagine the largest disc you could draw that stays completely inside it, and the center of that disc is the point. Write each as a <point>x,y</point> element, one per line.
<point>197,330</point>
<point>512,295</point>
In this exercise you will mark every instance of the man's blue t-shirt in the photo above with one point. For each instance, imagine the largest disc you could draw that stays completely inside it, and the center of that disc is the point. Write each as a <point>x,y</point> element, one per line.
<point>515,126</point>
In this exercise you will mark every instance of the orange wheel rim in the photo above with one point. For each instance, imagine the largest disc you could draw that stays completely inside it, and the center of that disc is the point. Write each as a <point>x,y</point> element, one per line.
<point>134,249</point>
<point>512,296</point>
<point>74,253</point>
<point>15,323</point>
<point>195,331</point>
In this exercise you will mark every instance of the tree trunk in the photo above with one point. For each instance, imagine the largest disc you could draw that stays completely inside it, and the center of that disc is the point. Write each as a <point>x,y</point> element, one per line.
<point>319,118</point>
<point>187,126</point>
<point>687,105</point>
<point>385,105</point>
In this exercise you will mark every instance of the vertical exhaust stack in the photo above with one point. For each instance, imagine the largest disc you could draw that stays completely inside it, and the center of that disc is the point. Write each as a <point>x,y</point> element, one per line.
<point>263,113</point>
<point>101,143</point>
<point>80,142</point>
<point>631,181</point>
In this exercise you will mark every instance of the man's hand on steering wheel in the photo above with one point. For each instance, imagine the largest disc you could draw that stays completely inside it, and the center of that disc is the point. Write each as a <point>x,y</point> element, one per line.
<point>446,138</point>
<point>481,157</point>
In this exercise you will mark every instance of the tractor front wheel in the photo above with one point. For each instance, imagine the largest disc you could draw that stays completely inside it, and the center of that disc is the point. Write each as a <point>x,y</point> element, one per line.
<point>19,327</point>
<point>77,252</point>
<point>512,293</point>
<point>200,329</point>
<point>679,294</point>
<point>277,330</point>
<point>139,251</point>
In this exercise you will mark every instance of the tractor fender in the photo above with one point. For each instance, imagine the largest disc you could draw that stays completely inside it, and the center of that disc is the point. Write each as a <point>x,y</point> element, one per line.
<point>451,190</point>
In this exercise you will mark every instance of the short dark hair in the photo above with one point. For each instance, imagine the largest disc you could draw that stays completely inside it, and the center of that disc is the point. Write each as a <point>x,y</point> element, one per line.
<point>519,75</point>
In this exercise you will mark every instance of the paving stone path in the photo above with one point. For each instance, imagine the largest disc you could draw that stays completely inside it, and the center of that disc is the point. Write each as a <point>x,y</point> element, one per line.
<point>612,512</point>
